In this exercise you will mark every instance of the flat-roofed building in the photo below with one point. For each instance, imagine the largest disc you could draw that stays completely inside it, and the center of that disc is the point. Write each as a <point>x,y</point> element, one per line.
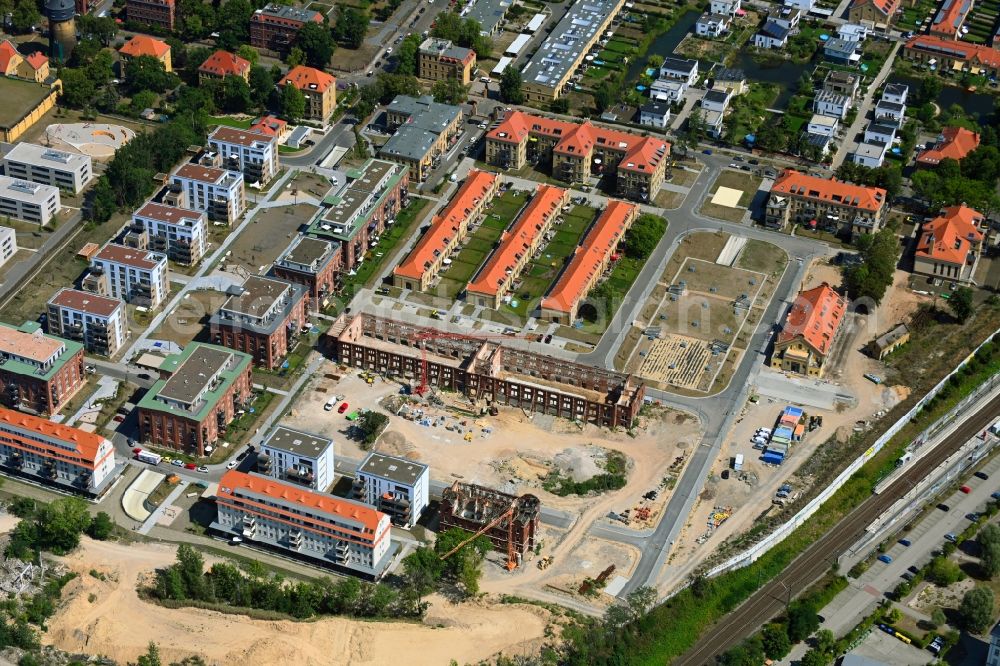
<point>55,454</point>
<point>275,27</point>
<point>318,87</point>
<point>39,373</point>
<point>485,371</point>
<point>447,230</point>
<point>313,263</point>
<point>8,244</point>
<point>221,64</point>
<point>949,245</point>
<point>397,487</point>
<point>48,166</point>
<point>299,457</point>
<point>489,14</point>
<point>253,154</point>
<point>517,245</point>
<point>841,83</point>
<point>588,263</point>
<point>439,59</point>
<point>809,331</point>
<point>27,201</point>
<point>423,131</point>
<point>636,163</point>
<point>180,233</point>
<point>834,204</point>
<point>160,13</point>
<point>263,318</point>
<point>581,27</point>
<point>205,389</point>
<point>144,45</point>
<point>219,193</point>
<point>96,321</point>
<point>331,531</point>
<point>140,277</point>
<point>368,203</point>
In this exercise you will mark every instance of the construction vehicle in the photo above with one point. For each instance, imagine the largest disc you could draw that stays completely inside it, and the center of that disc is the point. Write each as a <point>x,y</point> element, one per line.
<point>421,338</point>
<point>545,562</point>
<point>468,436</point>
<point>507,515</point>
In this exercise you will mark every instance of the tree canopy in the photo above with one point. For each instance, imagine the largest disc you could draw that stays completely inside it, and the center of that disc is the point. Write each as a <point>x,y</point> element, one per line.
<point>316,43</point>
<point>147,73</point>
<point>449,91</point>
<point>976,610</point>
<point>510,86</point>
<point>351,27</point>
<point>869,278</point>
<point>293,103</point>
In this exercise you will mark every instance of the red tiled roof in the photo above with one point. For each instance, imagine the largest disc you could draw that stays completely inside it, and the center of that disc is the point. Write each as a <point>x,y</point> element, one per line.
<point>85,443</point>
<point>241,137</point>
<point>127,256</point>
<point>956,143</point>
<point>641,153</point>
<point>84,301</point>
<point>796,183</point>
<point>144,45</point>
<point>950,48</point>
<point>886,7</point>
<point>269,125</point>
<point>7,53</point>
<point>518,240</point>
<point>224,63</point>
<point>445,225</point>
<point>950,235</point>
<point>950,17</point>
<point>36,60</point>
<point>815,316</point>
<point>292,494</point>
<point>308,79</point>
<point>601,241</point>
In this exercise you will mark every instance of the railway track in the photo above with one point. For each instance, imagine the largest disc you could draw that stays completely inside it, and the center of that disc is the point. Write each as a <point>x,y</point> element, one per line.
<point>770,600</point>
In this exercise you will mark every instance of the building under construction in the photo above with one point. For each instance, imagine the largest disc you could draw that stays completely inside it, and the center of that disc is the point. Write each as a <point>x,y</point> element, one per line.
<point>473,508</point>
<point>486,371</point>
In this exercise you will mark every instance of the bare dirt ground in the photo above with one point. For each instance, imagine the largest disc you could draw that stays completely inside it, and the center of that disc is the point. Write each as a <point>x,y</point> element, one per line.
<point>120,625</point>
<point>589,559</point>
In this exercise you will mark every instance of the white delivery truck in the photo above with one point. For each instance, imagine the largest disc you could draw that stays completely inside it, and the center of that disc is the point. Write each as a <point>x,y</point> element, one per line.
<point>738,462</point>
<point>148,457</point>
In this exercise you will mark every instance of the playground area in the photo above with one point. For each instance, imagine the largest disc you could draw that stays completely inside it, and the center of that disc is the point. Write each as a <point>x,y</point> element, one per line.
<point>98,140</point>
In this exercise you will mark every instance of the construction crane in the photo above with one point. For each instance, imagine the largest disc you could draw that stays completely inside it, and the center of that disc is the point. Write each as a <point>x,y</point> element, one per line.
<point>509,515</point>
<point>434,334</point>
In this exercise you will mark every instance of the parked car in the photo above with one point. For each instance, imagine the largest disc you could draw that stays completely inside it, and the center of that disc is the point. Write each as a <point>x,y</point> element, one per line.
<point>966,489</point>
<point>875,379</point>
<point>944,507</point>
<point>232,464</point>
<point>995,495</point>
<point>342,408</point>
<point>973,516</point>
<point>191,466</point>
<point>905,542</point>
<point>950,536</point>
<point>236,540</point>
<point>203,469</point>
<point>885,558</point>
<point>982,475</point>
<point>177,463</point>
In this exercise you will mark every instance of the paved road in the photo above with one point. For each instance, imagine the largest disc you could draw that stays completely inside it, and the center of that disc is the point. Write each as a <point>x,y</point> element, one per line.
<point>24,270</point>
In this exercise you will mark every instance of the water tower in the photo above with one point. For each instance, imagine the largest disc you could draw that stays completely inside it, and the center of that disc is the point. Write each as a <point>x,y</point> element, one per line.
<point>62,28</point>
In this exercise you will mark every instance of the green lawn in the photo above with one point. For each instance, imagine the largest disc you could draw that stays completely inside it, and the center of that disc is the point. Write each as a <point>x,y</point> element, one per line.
<point>405,223</point>
<point>230,122</point>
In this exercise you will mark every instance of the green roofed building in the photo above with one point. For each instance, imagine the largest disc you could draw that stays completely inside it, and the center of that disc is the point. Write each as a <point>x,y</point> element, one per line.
<point>207,388</point>
<point>39,372</point>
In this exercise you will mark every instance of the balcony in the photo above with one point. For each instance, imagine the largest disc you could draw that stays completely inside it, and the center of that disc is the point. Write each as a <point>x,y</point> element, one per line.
<point>302,475</point>
<point>295,539</point>
<point>264,463</point>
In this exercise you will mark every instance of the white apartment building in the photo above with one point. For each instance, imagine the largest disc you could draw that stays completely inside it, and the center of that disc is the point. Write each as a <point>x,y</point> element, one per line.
<point>96,321</point>
<point>670,91</point>
<point>332,531</point>
<point>48,166</point>
<point>395,486</point>
<point>880,132</point>
<point>823,125</point>
<point>712,25</point>
<point>870,154</point>
<point>8,244</point>
<point>896,93</point>
<point>178,232</point>
<point>217,192</point>
<point>253,154</point>
<point>833,104</point>
<point>55,454</point>
<point>299,457</point>
<point>28,201</point>
<point>140,277</point>
<point>727,7</point>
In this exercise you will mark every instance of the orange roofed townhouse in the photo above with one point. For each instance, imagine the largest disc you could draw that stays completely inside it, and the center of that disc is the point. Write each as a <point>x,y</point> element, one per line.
<point>319,89</point>
<point>876,11</point>
<point>809,331</point>
<point>950,18</point>
<point>831,204</point>
<point>953,144</point>
<point>144,45</point>
<point>637,164</point>
<point>950,244</point>
<point>448,229</point>
<point>340,533</point>
<point>70,458</point>
<point>947,55</point>
<point>517,246</point>
<point>221,64</point>
<point>39,373</point>
<point>588,263</point>
<point>33,67</point>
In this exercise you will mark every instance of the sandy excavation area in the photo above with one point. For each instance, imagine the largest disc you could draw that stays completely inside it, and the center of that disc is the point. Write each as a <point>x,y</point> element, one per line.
<point>118,624</point>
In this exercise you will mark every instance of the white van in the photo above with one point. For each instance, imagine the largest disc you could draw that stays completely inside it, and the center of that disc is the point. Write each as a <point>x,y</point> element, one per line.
<point>330,404</point>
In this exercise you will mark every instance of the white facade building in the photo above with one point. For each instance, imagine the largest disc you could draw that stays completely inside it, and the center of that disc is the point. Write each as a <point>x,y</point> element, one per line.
<point>827,103</point>
<point>8,244</point>
<point>823,125</point>
<point>890,111</point>
<point>135,276</point>
<point>716,100</point>
<point>852,32</point>
<point>96,321</point>
<point>680,68</point>
<point>179,232</point>
<point>299,457</point>
<point>395,486</point>
<point>725,7</point>
<point>337,532</point>
<point>654,114</point>
<point>896,93</point>
<point>670,91</point>
<point>217,192</point>
<point>880,133</point>
<point>870,154</point>
<point>48,166</point>
<point>28,201</point>
<point>254,155</point>
<point>711,25</point>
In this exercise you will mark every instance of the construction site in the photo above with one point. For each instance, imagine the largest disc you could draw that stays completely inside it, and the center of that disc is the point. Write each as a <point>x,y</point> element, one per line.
<point>484,370</point>
<point>509,522</point>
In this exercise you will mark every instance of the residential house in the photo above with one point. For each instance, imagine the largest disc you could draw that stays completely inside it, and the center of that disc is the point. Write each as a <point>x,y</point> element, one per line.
<point>878,12</point>
<point>158,13</point>
<point>716,100</point>
<point>852,32</point>
<point>312,262</point>
<point>880,132</point>
<point>950,245</point>
<point>870,153</point>
<point>831,104</point>
<point>734,80</point>
<point>275,27</point>
<point>809,332</point>
<point>950,19</point>
<point>841,83</point>
<point>140,277</point>
<point>712,25</point>
<point>439,59</point>
<point>948,55</point>
<point>771,35</point>
<point>99,322</point>
<point>954,143</point>
<point>654,114</point>
<point>724,7</point>
<point>299,457</point>
<point>889,342</point>
<point>680,68</point>
<point>219,193</point>
<point>144,45</point>
<point>253,154</point>
<point>896,93</point>
<point>397,487</point>
<point>841,51</point>
<point>318,87</point>
<point>818,202</point>
<point>670,91</point>
<point>221,64</point>
<point>890,112</point>
<point>821,125</point>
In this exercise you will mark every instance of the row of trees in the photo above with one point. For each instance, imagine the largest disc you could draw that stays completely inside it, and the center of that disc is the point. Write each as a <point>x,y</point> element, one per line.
<point>973,180</point>
<point>464,32</point>
<point>55,527</point>
<point>252,586</point>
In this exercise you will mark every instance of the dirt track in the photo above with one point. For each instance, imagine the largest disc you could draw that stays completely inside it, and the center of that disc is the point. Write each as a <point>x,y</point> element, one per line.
<point>120,625</point>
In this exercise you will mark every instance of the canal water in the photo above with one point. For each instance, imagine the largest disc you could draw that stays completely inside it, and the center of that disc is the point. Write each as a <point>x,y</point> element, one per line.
<point>663,45</point>
<point>980,105</point>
